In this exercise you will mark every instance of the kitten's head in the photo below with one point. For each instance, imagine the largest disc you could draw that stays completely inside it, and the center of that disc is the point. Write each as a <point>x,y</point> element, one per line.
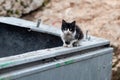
<point>68,28</point>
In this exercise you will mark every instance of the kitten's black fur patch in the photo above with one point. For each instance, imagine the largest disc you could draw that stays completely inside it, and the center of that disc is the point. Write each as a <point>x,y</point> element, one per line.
<point>79,34</point>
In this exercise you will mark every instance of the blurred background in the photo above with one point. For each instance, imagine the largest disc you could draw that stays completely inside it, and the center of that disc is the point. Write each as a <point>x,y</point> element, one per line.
<point>100,17</point>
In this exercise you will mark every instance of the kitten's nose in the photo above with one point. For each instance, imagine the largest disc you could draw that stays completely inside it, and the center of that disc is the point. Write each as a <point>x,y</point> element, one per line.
<point>68,33</point>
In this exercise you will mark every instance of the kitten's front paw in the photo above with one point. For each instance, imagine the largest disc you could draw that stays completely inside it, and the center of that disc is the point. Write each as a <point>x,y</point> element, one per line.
<point>70,45</point>
<point>76,44</point>
<point>65,45</point>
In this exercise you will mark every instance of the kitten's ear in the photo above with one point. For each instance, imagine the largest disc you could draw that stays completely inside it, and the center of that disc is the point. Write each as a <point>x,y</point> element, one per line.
<point>74,22</point>
<point>63,21</point>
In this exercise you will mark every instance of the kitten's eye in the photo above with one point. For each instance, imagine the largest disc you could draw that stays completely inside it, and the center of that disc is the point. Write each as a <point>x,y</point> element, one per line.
<point>65,29</point>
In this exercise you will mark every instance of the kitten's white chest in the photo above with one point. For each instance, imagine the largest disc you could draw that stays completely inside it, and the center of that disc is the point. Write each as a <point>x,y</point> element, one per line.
<point>67,37</point>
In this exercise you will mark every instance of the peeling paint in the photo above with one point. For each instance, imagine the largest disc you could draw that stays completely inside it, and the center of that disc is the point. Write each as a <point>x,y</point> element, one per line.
<point>69,62</point>
<point>65,63</point>
<point>5,64</point>
<point>58,65</point>
<point>5,79</point>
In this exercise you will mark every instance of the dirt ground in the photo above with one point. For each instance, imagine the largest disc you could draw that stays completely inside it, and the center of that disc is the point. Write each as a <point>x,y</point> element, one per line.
<point>100,17</point>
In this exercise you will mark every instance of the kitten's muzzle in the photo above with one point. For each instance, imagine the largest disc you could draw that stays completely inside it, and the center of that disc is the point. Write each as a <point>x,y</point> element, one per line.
<point>67,32</point>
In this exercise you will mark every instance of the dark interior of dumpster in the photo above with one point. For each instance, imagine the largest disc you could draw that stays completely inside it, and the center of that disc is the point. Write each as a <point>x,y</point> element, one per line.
<point>16,40</point>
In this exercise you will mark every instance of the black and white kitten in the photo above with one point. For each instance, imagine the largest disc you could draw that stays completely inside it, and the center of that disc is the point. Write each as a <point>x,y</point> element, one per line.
<point>71,34</point>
